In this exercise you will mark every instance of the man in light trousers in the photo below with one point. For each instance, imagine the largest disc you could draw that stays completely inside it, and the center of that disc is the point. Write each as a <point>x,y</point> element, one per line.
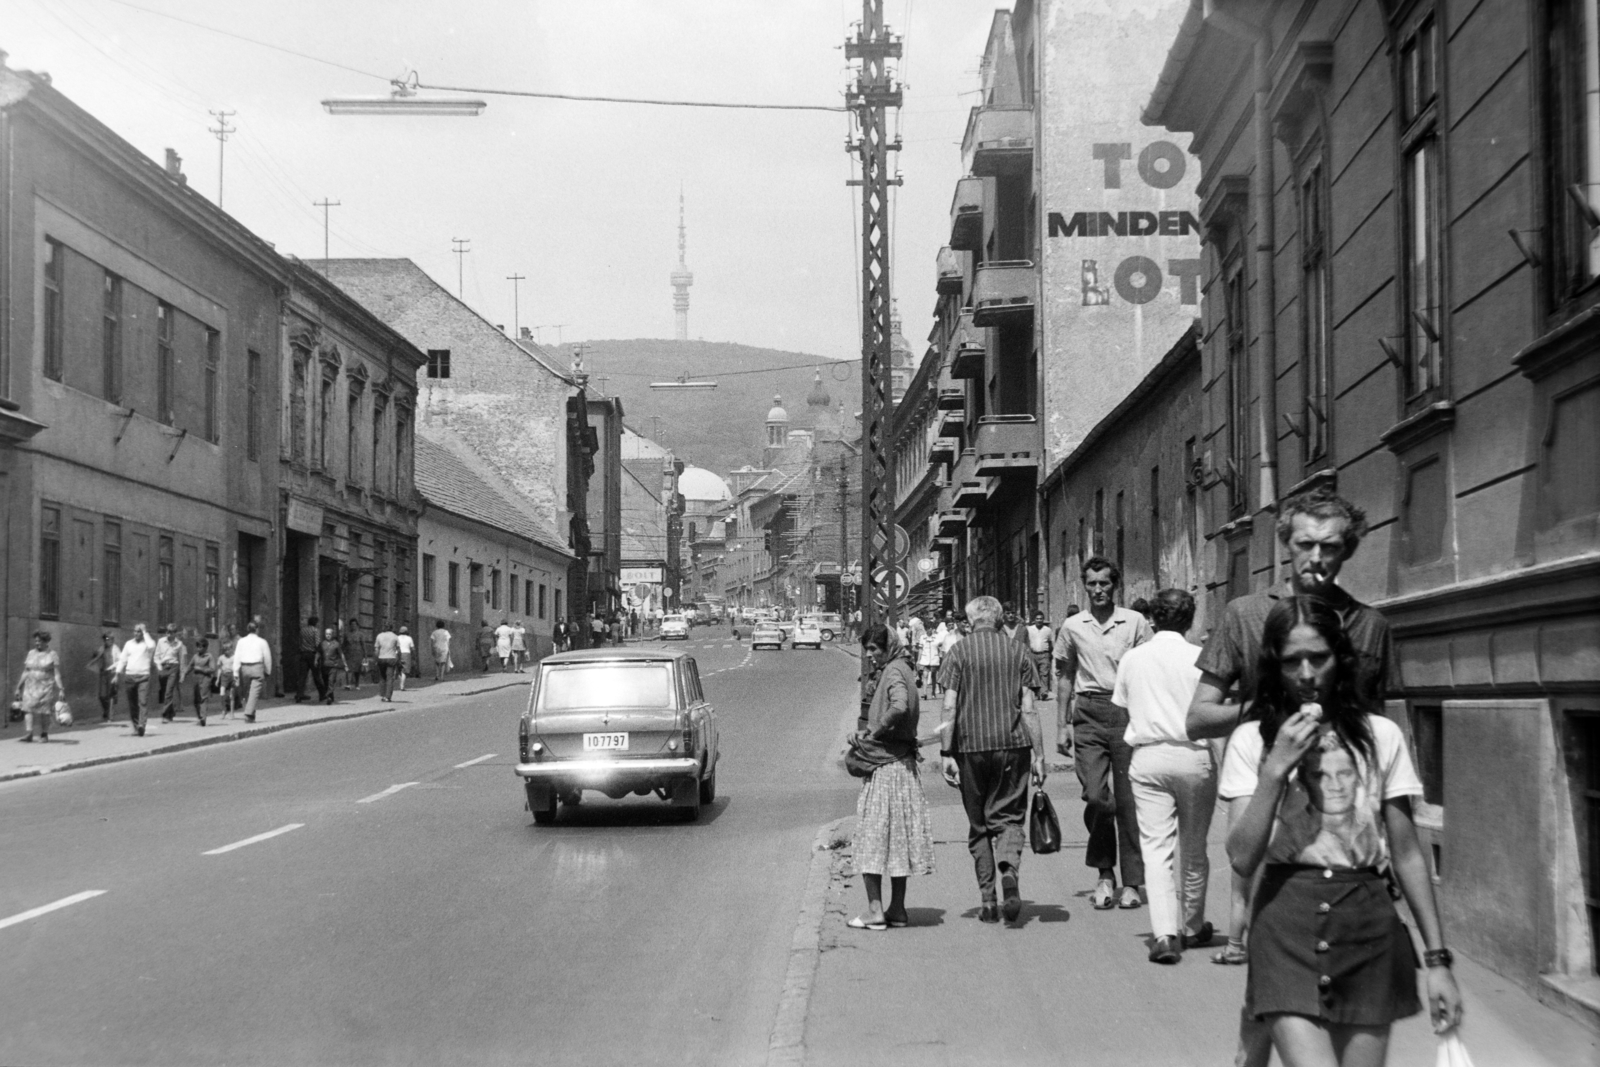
<point>1174,779</point>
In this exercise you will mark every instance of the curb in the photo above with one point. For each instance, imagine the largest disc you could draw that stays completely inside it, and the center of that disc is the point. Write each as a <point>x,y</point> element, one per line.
<point>786,1044</point>
<point>216,739</point>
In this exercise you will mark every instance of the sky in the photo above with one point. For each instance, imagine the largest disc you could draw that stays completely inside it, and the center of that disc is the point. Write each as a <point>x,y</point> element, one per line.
<point>579,198</point>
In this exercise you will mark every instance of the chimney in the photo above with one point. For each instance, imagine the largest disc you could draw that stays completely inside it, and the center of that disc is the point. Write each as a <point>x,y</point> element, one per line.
<point>175,167</point>
<point>527,333</point>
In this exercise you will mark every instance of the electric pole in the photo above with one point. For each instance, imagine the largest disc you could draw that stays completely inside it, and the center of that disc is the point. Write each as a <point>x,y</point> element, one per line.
<point>458,245</point>
<point>325,204</point>
<point>221,130</point>
<point>874,92</point>
<point>516,311</point>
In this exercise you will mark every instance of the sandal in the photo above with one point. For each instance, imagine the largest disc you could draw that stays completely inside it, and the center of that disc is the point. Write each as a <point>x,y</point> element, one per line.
<point>862,923</point>
<point>899,922</point>
<point>1233,955</point>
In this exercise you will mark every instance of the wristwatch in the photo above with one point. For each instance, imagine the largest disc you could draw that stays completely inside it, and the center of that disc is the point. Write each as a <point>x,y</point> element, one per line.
<point>946,753</point>
<point>1438,957</point>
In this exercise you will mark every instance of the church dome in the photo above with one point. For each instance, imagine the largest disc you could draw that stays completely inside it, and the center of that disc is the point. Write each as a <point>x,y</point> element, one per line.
<point>900,351</point>
<point>697,483</point>
<point>777,414</point>
<point>818,397</point>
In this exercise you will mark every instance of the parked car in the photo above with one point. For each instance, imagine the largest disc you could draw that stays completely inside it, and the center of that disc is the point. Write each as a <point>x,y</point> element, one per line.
<point>618,721</point>
<point>831,623</point>
<point>674,627</point>
<point>808,634</point>
<point>766,635</point>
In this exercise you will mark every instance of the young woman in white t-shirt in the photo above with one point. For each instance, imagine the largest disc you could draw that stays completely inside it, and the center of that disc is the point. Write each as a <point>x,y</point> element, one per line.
<point>1320,791</point>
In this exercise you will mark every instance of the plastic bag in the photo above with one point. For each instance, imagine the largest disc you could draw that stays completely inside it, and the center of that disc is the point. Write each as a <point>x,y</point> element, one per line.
<point>63,713</point>
<point>1452,1052</point>
<point>1044,829</point>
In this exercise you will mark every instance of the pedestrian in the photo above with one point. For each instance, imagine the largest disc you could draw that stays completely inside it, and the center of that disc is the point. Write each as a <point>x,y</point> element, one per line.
<point>597,631</point>
<point>616,628</point>
<point>356,654</point>
<point>135,664</point>
<point>1088,648</point>
<point>1319,789</point>
<point>202,676</point>
<point>991,740</point>
<point>1320,531</point>
<point>558,635</point>
<point>252,666</point>
<point>171,662</point>
<point>928,659</point>
<point>439,641</point>
<point>1174,779</point>
<point>39,688</point>
<point>104,665</point>
<point>387,647</point>
<point>1040,640</point>
<point>227,641</point>
<point>502,644</point>
<point>305,661</point>
<point>1011,624</point>
<point>486,645</point>
<point>893,834</point>
<point>330,660</point>
<point>408,652</point>
<point>519,645</point>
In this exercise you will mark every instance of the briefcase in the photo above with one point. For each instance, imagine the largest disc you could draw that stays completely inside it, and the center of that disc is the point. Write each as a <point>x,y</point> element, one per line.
<point>1044,829</point>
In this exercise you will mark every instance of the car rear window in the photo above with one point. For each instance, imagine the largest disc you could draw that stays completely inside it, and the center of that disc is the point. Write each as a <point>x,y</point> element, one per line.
<point>606,685</point>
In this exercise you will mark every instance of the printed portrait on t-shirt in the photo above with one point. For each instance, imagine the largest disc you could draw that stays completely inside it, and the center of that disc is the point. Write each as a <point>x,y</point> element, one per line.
<point>1330,811</point>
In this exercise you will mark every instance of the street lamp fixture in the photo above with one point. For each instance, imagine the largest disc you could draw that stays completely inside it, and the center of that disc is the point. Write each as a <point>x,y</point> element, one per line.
<point>403,101</point>
<point>683,382</point>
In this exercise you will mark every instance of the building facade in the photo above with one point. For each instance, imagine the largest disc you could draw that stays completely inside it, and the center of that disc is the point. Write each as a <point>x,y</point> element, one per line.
<point>1402,301</point>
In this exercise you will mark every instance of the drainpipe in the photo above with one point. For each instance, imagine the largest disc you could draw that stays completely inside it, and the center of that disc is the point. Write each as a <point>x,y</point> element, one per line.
<point>1265,365</point>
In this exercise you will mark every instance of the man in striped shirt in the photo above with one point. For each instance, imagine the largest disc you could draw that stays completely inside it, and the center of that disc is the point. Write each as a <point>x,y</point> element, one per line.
<point>991,742</point>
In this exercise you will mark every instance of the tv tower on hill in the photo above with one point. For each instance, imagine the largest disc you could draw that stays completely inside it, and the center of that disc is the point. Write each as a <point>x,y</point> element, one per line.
<point>681,278</point>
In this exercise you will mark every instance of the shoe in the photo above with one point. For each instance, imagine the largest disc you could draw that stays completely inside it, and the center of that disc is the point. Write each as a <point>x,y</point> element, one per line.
<point>1104,890</point>
<point>863,923</point>
<point>138,731</point>
<point>1012,906</point>
<point>1165,950</point>
<point>896,922</point>
<point>26,740</point>
<point>1206,933</point>
<point>168,718</point>
<point>1129,898</point>
<point>202,722</point>
<point>989,913</point>
<point>1233,955</point>
<point>247,718</point>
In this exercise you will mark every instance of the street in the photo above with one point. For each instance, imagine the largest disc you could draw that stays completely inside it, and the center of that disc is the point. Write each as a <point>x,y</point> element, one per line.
<point>427,923</point>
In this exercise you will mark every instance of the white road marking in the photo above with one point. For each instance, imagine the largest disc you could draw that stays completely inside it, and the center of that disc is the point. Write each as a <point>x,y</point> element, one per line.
<point>253,840</point>
<point>393,789</point>
<point>470,762</point>
<point>45,909</point>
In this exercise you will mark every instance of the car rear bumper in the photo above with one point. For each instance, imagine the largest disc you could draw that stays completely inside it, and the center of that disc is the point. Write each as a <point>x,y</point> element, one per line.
<point>582,772</point>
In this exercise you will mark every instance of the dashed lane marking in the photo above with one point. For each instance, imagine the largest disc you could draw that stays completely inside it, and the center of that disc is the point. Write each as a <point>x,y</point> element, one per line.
<point>254,840</point>
<point>470,762</point>
<point>45,909</point>
<point>391,791</point>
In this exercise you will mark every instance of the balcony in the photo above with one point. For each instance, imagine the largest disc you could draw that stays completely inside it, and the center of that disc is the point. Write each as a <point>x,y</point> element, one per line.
<point>943,450</point>
<point>1003,293</point>
<point>966,215</point>
<point>952,398</point>
<point>1008,445</point>
<point>969,489</point>
<point>967,349</point>
<point>999,140</point>
<point>951,276</point>
<point>951,423</point>
<point>951,523</point>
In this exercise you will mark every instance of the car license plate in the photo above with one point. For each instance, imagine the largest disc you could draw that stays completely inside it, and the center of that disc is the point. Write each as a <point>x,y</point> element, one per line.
<point>605,742</point>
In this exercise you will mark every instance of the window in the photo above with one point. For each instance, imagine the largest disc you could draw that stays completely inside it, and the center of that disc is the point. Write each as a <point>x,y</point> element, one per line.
<point>494,588</point>
<point>1155,526</point>
<point>111,574</point>
<point>428,564</point>
<point>165,366</point>
<point>213,601</point>
<point>1236,326</point>
<point>1427,738</point>
<point>380,582</point>
<point>213,398</point>
<point>1120,528</point>
<point>55,262</point>
<point>325,400</point>
<point>511,593</point>
<point>380,406</point>
<point>1099,545</point>
<point>402,450</point>
<point>559,612</point>
<point>541,600</point>
<point>299,369</point>
<point>438,363</point>
<point>252,409</point>
<point>454,589</point>
<point>1314,317</point>
<point>1572,136</point>
<point>111,338</point>
<point>352,436</point>
<point>402,585</point>
<point>1423,224</point>
<point>1585,749</point>
<point>166,591</point>
<point>1083,541</point>
<point>49,562</point>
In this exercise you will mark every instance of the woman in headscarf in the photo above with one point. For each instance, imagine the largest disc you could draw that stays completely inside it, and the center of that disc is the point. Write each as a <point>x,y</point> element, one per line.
<point>40,687</point>
<point>893,835</point>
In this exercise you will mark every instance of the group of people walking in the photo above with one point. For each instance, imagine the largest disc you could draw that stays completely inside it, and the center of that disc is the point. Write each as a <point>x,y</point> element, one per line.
<point>1279,715</point>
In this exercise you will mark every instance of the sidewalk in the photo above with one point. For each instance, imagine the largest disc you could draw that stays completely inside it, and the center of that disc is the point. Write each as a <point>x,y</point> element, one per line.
<point>90,742</point>
<point>1072,985</point>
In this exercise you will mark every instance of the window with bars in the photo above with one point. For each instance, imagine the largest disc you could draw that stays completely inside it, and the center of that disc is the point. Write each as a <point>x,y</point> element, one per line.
<point>111,338</point>
<point>49,562</point>
<point>213,593</point>
<point>1422,226</point>
<point>252,411</point>
<point>213,397</point>
<point>541,600</point>
<point>1314,285</point>
<point>494,588</point>
<point>429,564</point>
<point>166,366</point>
<point>111,573</point>
<point>55,261</point>
<point>453,585</point>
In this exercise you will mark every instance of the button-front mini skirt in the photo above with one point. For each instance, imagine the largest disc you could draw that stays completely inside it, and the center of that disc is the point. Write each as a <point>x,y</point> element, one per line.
<point>1328,944</point>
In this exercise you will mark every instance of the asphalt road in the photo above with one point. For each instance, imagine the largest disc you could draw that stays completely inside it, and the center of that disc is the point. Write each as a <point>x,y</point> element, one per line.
<point>430,923</point>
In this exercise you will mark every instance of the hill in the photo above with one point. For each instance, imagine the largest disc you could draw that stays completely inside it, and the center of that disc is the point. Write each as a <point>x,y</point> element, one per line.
<point>724,428</point>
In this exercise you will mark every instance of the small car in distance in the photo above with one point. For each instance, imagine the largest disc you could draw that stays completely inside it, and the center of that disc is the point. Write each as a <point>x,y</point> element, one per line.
<point>618,721</point>
<point>831,623</point>
<point>766,635</point>
<point>674,627</point>
<point>807,634</point>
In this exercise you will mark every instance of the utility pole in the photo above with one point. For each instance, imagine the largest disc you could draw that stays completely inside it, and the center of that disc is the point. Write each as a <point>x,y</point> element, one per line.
<point>516,311</point>
<point>844,527</point>
<point>874,92</point>
<point>325,204</point>
<point>458,245</point>
<point>221,129</point>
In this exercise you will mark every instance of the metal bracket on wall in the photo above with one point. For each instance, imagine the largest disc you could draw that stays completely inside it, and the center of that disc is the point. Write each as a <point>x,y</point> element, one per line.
<point>126,415</point>
<point>181,435</point>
